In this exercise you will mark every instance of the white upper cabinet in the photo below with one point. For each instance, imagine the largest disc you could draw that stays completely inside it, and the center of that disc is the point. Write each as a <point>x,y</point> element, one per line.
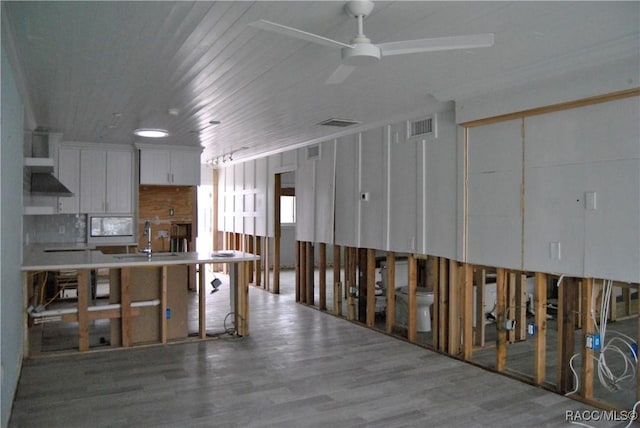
<point>170,166</point>
<point>105,179</point>
<point>68,173</point>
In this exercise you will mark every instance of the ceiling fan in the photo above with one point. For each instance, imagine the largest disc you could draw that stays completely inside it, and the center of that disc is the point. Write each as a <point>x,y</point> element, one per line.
<point>360,51</point>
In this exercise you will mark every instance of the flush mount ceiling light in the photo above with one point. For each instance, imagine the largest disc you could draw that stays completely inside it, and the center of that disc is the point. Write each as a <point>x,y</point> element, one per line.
<point>151,132</point>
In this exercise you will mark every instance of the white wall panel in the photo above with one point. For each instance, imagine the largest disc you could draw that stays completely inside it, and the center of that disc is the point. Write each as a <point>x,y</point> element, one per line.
<point>238,205</point>
<point>494,221</point>
<point>402,177</point>
<point>261,203</point>
<point>372,183</point>
<point>324,197</point>
<point>554,213</point>
<point>305,198</point>
<point>612,247</point>
<point>346,222</point>
<point>229,199</point>
<point>441,190</point>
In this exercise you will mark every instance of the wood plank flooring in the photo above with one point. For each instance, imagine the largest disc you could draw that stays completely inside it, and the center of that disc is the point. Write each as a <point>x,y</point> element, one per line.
<point>298,368</point>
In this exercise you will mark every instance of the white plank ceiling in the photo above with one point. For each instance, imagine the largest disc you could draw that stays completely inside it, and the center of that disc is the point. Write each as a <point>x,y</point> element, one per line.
<point>97,70</point>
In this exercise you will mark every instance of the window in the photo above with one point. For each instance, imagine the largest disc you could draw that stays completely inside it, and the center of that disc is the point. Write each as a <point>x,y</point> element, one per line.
<point>287,209</point>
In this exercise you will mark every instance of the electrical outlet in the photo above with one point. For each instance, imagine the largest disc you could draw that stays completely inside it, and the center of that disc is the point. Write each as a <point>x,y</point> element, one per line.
<point>364,196</point>
<point>590,201</point>
<point>555,250</point>
<point>531,329</point>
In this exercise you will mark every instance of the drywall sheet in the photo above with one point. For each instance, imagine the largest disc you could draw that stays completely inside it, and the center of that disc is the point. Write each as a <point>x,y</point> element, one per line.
<point>346,195</point>
<point>324,197</point>
<point>305,198</point>
<point>494,221</point>
<point>372,198</point>
<point>554,218</point>
<point>440,190</point>
<point>583,191</point>
<point>238,205</point>
<point>261,196</point>
<point>402,182</point>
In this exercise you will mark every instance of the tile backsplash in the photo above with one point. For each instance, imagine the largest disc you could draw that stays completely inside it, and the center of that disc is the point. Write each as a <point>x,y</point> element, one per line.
<point>47,229</point>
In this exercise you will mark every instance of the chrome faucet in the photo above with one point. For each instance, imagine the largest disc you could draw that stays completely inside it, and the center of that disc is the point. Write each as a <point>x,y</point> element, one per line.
<point>147,233</point>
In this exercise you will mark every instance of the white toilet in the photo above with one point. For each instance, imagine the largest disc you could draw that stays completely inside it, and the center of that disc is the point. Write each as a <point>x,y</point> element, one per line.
<point>424,300</point>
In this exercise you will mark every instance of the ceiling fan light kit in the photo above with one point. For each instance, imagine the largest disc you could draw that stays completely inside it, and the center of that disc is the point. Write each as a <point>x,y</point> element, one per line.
<point>360,51</point>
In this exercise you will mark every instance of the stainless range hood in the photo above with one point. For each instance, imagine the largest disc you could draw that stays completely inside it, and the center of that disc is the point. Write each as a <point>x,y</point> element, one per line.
<point>43,182</point>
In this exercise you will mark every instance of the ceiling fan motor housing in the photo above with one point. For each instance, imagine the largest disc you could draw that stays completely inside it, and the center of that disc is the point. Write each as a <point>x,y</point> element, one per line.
<point>363,52</point>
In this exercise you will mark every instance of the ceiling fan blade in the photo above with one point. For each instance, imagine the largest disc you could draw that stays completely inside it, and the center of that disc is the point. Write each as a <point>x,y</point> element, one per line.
<point>340,74</point>
<point>299,34</point>
<point>436,44</point>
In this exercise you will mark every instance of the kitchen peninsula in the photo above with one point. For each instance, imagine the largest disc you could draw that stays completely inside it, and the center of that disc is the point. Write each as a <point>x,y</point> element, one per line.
<point>38,258</point>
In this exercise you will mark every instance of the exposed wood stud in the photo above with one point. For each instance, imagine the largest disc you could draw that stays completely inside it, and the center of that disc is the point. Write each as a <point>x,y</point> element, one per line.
<point>353,263</point>
<point>259,282</point>
<point>540,338</point>
<point>371,287</point>
<point>267,262</point>
<point>453,340</point>
<point>84,285</point>
<point>277,234</point>
<point>588,327</point>
<point>443,304</point>
<point>566,328</point>
<point>337,299</point>
<point>202,302</point>
<point>412,332</point>
<point>391,291</point>
<point>362,284</point>
<point>467,339</point>
<point>336,264</point>
<point>322,266</point>
<point>501,297</point>
<point>310,266</point>
<point>521,307</point>
<point>626,298</point>
<point>163,303</point>
<point>480,279</point>
<point>303,272</point>
<point>637,341</point>
<point>434,267</point>
<point>511,306</point>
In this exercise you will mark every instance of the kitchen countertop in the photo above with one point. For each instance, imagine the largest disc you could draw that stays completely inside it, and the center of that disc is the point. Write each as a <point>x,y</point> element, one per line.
<point>48,257</point>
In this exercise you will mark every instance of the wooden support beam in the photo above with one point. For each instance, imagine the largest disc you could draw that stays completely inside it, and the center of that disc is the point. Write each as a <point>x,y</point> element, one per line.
<point>353,263</point>
<point>443,304</point>
<point>337,299</point>
<point>202,302</point>
<point>259,262</point>
<point>626,298</point>
<point>566,327</point>
<point>310,265</point>
<point>511,305</point>
<point>362,284</point>
<point>454,316</point>
<point>391,291</point>
<point>412,331</point>
<point>521,307</point>
<point>248,246</point>
<point>163,303</point>
<point>299,273</point>
<point>433,264</point>
<point>480,279</point>
<point>322,274</point>
<point>303,272</point>
<point>277,234</point>
<point>588,327</point>
<point>84,285</point>
<point>371,287</point>
<point>467,338</point>
<point>267,262</point>
<point>501,306</point>
<point>613,307</point>
<point>540,338</point>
